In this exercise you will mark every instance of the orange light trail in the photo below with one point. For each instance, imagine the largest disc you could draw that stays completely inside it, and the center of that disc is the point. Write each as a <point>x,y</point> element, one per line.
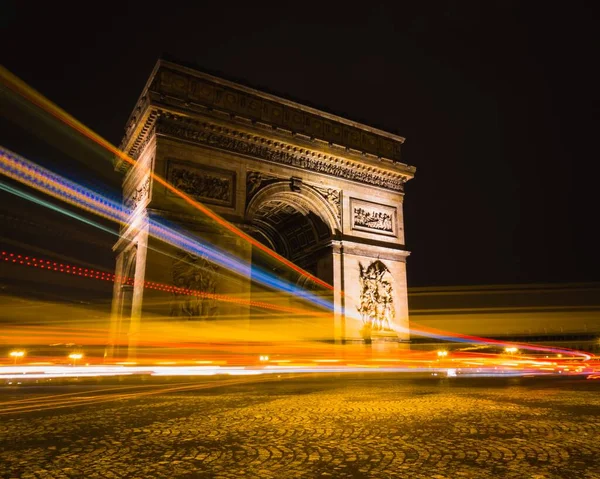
<point>32,175</point>
<point>426,331</point>
<point>57,402</point>
<point>19,259</point>
<point>24,90</point>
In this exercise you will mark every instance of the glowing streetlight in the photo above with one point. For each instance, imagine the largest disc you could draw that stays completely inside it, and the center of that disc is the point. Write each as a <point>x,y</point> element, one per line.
<point>16,355</point>
<point>442,354</point>
<point>75,357</point>
<point>511,350</point>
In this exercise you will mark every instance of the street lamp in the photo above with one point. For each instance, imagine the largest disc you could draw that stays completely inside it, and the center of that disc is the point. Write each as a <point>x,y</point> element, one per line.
<point>75,357</point>
<point>16,355</point>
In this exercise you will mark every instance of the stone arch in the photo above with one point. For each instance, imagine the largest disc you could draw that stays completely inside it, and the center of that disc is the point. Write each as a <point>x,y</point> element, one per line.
<point>297,222</point>
<point>304,197</point>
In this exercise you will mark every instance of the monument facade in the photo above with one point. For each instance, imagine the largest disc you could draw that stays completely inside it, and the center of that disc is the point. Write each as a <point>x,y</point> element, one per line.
<point>322,191</point>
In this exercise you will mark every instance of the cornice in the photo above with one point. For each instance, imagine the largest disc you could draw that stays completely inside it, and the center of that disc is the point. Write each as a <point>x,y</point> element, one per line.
<point>279,152</point>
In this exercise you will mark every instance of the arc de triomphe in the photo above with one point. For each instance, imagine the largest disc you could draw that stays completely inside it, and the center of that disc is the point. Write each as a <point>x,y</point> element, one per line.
<point>322,191</point>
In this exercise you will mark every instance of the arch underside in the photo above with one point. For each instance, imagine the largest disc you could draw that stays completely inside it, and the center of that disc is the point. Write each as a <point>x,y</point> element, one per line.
<point>295,233</point>
<point>294,220</point>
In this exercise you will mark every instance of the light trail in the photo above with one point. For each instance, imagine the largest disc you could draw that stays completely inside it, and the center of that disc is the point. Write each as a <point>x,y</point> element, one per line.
<point>39,201</point>
<point>21,88</point>
<point>147,284</point>
<point>50,404</point>
<point>464,338</point>
<point>31,261</point>
<point>27,374</point>
<point>35,176</point>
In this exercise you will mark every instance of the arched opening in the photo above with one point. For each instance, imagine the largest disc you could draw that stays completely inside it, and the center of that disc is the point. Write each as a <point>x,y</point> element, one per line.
<point>297,234</point>
<point>300,226</point>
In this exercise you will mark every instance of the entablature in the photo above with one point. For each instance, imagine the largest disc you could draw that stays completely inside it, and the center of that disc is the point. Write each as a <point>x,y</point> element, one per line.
<point>182,91</point>
<point>266,147</point>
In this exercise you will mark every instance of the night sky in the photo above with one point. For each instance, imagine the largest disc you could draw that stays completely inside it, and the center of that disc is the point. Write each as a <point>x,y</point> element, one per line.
<point>497,101</point>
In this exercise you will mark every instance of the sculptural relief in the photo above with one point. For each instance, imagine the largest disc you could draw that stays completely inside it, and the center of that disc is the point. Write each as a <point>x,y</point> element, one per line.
<point>376,298</point>
<point>373,217</point>
<point>195,279</point>
<point>333,198</point>
<point>377,220</point>
<point>255,180</point>
<point>206,185</point>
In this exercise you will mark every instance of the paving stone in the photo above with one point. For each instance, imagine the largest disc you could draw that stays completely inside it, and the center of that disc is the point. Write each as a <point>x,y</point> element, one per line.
<point>318,427</point>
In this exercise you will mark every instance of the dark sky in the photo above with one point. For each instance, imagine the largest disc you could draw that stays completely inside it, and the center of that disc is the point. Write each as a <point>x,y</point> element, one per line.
<point>497,101</point>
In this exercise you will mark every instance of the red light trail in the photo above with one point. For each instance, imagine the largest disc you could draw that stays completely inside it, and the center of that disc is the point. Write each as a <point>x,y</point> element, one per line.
<point>22,89</point>
<point>105,276</point>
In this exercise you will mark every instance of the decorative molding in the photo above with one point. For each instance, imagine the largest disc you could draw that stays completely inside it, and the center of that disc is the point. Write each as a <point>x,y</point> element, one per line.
<point>373,217</point>
<point>138,195</point>
<point>276,152</point>
<point>209,185</point>
<point>333,197</point>
<point>141,146</point>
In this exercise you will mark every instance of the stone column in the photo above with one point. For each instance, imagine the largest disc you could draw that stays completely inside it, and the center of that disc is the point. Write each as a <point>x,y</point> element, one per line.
<point>115,315</point>
<point>138,275</point>
<point>339,318</point>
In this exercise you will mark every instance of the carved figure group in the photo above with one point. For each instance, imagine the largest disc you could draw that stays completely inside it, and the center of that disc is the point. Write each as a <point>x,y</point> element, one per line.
<point>195,280</point>
<point>333,198</point>
<point>253,182</point>
<point>376,297</point>
<point>201,185</point>
<point>377,220</point>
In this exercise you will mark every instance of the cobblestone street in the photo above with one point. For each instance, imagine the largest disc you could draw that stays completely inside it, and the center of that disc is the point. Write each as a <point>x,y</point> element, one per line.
<point>330,426</point>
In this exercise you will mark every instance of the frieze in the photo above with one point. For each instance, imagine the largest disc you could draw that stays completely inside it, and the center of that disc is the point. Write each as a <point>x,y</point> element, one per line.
<point>207,185</point>
<point>373,217</point>
<point>139,195</point>
<point>234,141</point>
<point>333,197</point>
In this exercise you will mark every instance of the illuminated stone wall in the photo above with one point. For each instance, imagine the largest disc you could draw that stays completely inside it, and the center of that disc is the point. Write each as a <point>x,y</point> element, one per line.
<point>322,191</point>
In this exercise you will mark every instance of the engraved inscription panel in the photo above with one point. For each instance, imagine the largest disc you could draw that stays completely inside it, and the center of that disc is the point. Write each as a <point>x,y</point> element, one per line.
<point>209,185</point>
<point>373,217</point>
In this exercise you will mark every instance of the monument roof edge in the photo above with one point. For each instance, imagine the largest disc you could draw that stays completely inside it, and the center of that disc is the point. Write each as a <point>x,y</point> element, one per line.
<point>271,97</point>
<point>127,135</point>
